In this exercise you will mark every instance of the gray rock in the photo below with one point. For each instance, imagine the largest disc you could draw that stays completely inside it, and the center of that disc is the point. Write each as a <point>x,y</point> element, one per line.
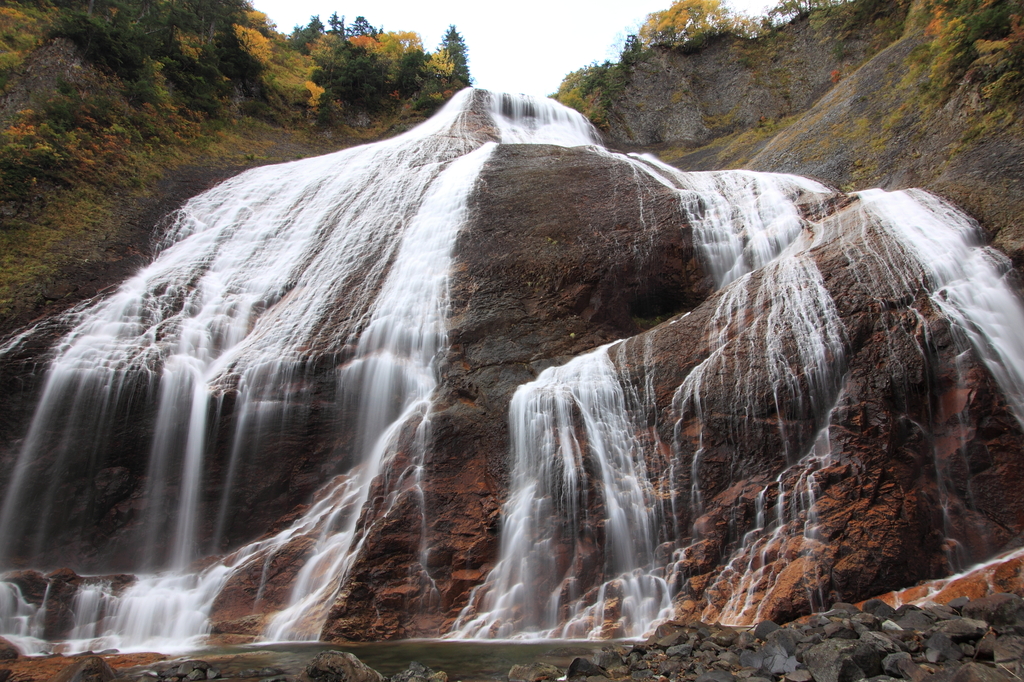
<point>883,611</point>
<point>608,658</point>
<point>641,674</point>
<point>341,666</point>
<point>801,675</point>
<point>417,672</point>
<point>958,603</point>
<point>764,628</point>
<point>940,647</point>
<point>752,659</point>
<point>890,626</point>
<point>840,630</point>
<point>716,676</point>
<point>891,663</point>
<point>843,660</point>
<point>782,641</point>
<point>1008,653</point>
<point>884,644</point>
<point>212,674</point>
<point>941,612</point>
<point>681,650</point>
<point>745,640</point>
<point>1001,611</point>
<point>975,672</point>
<point>580,667</point>
<point>914,620</point>
<point>963,629</point>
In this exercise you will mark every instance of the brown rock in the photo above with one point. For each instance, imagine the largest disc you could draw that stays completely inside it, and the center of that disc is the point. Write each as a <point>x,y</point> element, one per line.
<point>88,669</point>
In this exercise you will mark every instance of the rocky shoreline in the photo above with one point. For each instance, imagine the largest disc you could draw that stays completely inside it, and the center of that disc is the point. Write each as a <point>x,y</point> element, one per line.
<point>964,640</point>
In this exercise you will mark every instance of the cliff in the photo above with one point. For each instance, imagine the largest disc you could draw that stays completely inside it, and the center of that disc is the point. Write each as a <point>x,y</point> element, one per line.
<point>854,106</point>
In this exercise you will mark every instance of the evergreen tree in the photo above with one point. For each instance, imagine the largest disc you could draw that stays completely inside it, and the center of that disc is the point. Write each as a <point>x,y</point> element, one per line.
<point>459,53</point>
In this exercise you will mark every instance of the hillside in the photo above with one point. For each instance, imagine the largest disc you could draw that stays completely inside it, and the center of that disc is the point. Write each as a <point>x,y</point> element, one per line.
<point>859,94</point>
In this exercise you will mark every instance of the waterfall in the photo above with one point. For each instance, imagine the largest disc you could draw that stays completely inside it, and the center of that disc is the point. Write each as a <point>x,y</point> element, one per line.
<point>257,281</point>
<point>321,287</point>
<point>573,430</point>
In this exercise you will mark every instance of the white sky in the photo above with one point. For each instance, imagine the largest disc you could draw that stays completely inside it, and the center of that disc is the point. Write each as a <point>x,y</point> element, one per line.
<point>524,46</point>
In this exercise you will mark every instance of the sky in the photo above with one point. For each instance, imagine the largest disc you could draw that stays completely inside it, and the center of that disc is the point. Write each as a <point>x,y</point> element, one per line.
<point>526,46</point>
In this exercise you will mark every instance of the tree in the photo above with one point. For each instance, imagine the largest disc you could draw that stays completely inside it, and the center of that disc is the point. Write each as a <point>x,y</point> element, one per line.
<point>458,53</point>
<point>362,27</point>
<point>687,23</point>
<point>337,24</point>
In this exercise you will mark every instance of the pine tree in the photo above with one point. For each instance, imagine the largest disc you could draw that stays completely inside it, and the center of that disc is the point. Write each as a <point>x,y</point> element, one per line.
<point>459,53</point>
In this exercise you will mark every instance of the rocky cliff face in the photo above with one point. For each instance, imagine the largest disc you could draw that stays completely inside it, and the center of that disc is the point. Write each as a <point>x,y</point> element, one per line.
<point>800,410</point>
<point>844,104</point>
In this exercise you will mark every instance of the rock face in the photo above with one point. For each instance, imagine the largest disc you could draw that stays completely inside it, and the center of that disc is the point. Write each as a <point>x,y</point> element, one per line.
<point>796,400</point>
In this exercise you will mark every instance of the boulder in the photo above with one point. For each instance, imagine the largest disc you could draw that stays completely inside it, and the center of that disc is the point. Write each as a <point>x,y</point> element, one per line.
<point>843,660</point>
<point>88,669</point>
<point>340,666</point>
<point>533,672</point>
<point>1002,611</point>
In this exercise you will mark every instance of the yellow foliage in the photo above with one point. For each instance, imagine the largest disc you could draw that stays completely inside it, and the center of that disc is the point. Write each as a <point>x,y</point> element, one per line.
<point>259,20</point>
<point>441,63</point>
<point>685,21</point>
<point>253,43</point>
<point>190,45</point>
<point>314,94</point>
<point>398,43</point>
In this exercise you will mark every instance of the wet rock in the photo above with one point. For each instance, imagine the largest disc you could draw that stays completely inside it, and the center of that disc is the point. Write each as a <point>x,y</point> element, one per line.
<point>5,674</point>
<point>840,631</point>
<point>340,666</point>
<point>88,669</point>
<point>533,672</point>
<point>8,652</point>
<point>417,672</point>
<point>581,667</point>
<point>608,658</point>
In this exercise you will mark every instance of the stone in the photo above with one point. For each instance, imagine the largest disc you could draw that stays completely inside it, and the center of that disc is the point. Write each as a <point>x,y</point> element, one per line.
<point>843,660</point>
<point>800,675</point>
<point>681,650</point>
<point>890,626</point>
<point>88,669</point>
<point>840,631</point>
<point>341,666</point>
<point>891,663</point>
<point>534,672</point>
<point>5,674</point>
<point>962,629</point>
<point>939,647</point>
<point>975,672</point>
<point>417,672</point>
<point>716,676</point>
<point>1008,654</point>
<point>752,659</point>
<point>8,652</point>
<point>581,667</point>
<point>607,658</point>
<point>1002,611</point>
<point>782,641</point>
<point>884,644</point>
<point>958,603</point>
<point>764,628</point>
<point>883,611</point>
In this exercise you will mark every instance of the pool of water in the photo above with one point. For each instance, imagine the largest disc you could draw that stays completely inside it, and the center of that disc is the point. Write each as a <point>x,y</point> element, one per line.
<point>465,661</point>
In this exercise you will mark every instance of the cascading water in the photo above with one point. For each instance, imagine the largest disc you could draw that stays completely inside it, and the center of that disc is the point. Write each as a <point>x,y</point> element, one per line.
<point>273,301</point>
<point>258,280</point>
